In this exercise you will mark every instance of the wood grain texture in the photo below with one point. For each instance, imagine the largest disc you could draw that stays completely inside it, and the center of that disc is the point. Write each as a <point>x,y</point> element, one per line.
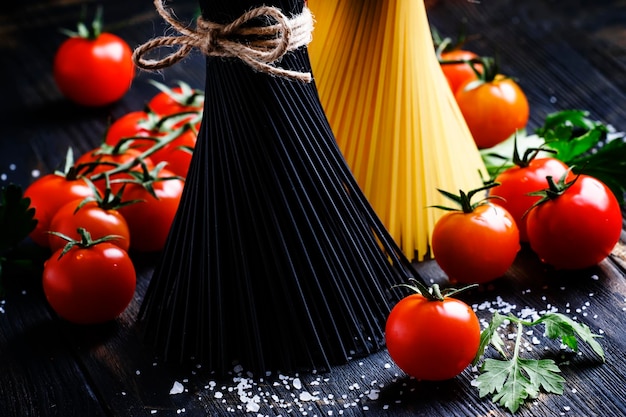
<point>564,57</point>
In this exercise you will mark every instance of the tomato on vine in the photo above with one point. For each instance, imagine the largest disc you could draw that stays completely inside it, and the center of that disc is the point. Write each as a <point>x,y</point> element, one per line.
<point>106,158</point>
<point>177,153</point>
<point>527,175</point>
<point>158,194</point>
<point>476,243</point>
<point>89,281</point>
<point>576,223</point>
<point>142,127</point>
<point>457,66</point>
<point>98,214</point>
<point>92,67</point>
<point>180,99</point>
<point>48,193</point>
<point>431,336</point>
<point>494,106</point>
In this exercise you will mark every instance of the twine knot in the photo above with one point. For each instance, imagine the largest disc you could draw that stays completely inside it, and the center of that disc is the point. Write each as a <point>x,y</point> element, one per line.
<point>258,46</point>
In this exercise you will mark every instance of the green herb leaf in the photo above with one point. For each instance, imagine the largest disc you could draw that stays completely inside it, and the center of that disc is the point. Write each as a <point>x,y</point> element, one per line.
<point>17,219</point>
<point>543,375</point>
<point>504,379</point>
<point>491,336</point>
<point>559,326</point>
<point>512,381</point>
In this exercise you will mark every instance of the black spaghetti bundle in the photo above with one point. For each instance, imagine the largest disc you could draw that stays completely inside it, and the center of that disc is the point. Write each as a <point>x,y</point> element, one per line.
<point>275,261</point>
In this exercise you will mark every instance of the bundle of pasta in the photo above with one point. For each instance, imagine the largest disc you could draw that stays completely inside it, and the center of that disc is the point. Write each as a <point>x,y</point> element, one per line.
<point>275,260</point>
<point>392,112</point>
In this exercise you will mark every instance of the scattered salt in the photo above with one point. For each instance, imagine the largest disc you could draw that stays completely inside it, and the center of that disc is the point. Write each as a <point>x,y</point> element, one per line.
<point>177,388</point>
<point>297,384</point>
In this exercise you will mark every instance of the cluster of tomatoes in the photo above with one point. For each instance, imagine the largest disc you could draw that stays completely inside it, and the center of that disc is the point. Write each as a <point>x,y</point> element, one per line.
<point>493,105</point>
<point>119,197</point>
<point>570,222</point>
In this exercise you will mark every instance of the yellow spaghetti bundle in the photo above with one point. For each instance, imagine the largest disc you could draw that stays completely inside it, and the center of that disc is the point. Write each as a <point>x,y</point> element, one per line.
<point>392,112</point>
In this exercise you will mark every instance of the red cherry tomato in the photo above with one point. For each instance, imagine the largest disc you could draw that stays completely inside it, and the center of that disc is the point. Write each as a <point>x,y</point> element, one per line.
<point>49,193</point>
<point>177,153</point>
<point>99,222</point>
<point>150,220</point>
<point>136,124</point>
<point>432,340</point>
<point>180,99</point>
<point>577,227</point>
<point>104,158</point>
<point>458,74</point>
<point>494,110</point>
<point>477,246</point>
<point>516,182</point>
<point>89,285</point>
<point>94,70</point>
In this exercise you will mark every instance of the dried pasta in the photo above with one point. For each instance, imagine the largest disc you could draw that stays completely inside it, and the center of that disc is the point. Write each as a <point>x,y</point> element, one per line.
<point>393,114</point>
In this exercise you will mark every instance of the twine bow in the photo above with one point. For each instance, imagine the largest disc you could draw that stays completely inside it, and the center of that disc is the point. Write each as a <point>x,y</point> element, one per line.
<point>258,46</point>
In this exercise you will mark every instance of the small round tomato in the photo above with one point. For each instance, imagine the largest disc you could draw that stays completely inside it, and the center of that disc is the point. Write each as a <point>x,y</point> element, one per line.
<point>458,74</point>
<point>95,68</point>
<point>49,193</point>
<point>177,154</point>
<point>106,158</point>
<point>515,183</point>
<point>89,284</point>
<point>432,340</point>
<point>493,108</point>
<point>576,225</point>
<point>476,244</point>
<point>179,99</point>
<point>136,124</point>
<point>150,219</point>
<point>98,221</point>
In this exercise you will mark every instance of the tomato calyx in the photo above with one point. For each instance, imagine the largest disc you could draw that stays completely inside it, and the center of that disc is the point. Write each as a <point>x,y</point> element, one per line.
<point>434,292</point>
<point>90,32</point>
<point>187,97</point>
<point>85,242</point>
<point>529,155</point>
<point>490,71</point>
<point>107,200</point>
<point>555,189</point>
<point>464,200</point>
<point>148,177</point>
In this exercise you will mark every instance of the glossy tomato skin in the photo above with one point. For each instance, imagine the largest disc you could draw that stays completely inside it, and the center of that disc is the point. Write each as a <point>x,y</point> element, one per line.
<point>516,182</point>
<point>107,162</point>
<point>49,193</point>
<point>577,229</point>
<point>432,340</point>
<point>165,104</point>
<point>150,220</point>
<point>458,74</point>
<point>97,221</point>
<point>136,124</point>
<point>94,72</point>
<point>493,110</point>
<point>89,285</point>
<point>476,247</point>
<point>177,153</point>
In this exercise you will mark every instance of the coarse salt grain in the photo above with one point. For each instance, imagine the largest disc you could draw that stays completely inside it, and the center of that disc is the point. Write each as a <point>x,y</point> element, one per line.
<point>296,383</point>
<point>177,388</point>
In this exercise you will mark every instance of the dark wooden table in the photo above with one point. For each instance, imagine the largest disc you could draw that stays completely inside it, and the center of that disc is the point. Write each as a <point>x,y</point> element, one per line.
<point>564,57</point>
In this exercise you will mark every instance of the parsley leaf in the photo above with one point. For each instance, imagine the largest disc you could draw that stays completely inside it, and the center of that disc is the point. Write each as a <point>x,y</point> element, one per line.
<point>512,381</point>
<point>17,220</point>
<point>588,146</point>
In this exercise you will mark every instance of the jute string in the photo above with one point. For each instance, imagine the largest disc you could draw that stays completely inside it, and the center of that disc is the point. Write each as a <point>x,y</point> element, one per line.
<point>258,46</point>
